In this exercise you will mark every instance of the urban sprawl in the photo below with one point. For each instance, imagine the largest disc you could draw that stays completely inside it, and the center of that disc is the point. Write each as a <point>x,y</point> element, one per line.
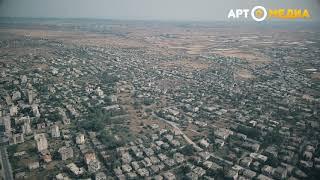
<point>175,105</point>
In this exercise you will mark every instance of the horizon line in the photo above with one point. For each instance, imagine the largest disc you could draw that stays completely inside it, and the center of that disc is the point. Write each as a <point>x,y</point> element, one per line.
<point>162,20</point>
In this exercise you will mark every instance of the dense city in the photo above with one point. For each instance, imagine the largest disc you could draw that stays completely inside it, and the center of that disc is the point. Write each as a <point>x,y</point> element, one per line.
<point>117,110</point>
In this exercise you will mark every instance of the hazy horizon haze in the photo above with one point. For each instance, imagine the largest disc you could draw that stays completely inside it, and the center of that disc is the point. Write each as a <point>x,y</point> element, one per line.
<point>174,10</point>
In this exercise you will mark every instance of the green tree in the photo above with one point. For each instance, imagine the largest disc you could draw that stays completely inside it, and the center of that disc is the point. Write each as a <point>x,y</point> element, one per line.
<point>211,136</point>
<point>187,150</point>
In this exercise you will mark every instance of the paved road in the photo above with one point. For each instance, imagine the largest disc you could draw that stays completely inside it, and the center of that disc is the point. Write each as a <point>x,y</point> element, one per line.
<point>6,167</point>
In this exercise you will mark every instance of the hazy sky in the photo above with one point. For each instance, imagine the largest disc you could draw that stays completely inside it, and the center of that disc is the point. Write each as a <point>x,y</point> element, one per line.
<point>204,10</point>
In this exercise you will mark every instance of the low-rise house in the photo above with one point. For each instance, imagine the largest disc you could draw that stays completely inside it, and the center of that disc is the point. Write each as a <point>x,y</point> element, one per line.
<point>154,169</point>
<point>143,172</point>
<point>99,92</point>
<point>154,126</point>
<point>75,169</point>
<point>112,108</point>
<point>199,171</point>
<point>259,157</point>
<point>241,136</point>
<point>271,151</point>
<point>33,165</point>
<point>245,162</point>
<point>169,176</point>
<point>179,158</point>
<point>113,98</point>
<point>204,143</point>
<point>148,152</point>
<point>89,156</point>
<point>159,143</point>
<point>13,110</point>
<point>80,139</point>
<point>169,162</point>
<point>267,170</point>
<point>165,146</point>
<point>154,160</point>
<point>154,137</point>
<point>100,176</point>
<point>126,158</point>
<point>146,162</point>
<point>61,176</point>
<point>205,155</point>
<point>72,111</point>
<point>192,175</point>
<point>132,175</point>
<point>168,137</point>
<point>310,148</point>
<point>253,123</point>
<point>219,142</point>
<point>162,157</point>
<point>94,166</point>
<point>248,173</point>
<point>117,171</point>
<point>280,173</point>
<point>66,153</point>
<point>232,174</point>
<point>215,167</point>
<point>256,166</point>
<point>251,146</point>
<point>35,110</point>
<point>126,168</point>
<point>16,138</point>
<point>41,125</point>
<point>135,165</point>
<point>223,133</point>
<point>175,143</point>
<point>307,155</point>
<point>46,156</point>
<point>207,164</point>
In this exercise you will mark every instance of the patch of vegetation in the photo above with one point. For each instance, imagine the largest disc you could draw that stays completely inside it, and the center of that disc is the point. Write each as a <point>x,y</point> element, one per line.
<point>272,138</point>
<point>250,132</point>
<point>54,116</point>
<point>109,139</point>
<point>95,121</point>
<point>147,101</point>
<point>182,171</point>
<point>12,149</point>
<point>187,150</point>
<point>211,136</point>
<point>108,78</point>
<point>136,105</point>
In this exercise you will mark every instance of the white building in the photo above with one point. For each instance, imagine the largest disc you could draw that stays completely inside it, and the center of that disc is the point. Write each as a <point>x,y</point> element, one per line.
<point>7,124</point>
<point>26,127</point>
<point>30,96</point>
<point>35,110</point>
<point>99,92</point>
<point>55,132</point>
<point>41,140</point>
<point>13,110</point>
<point>75,169</point>
<point>80,139</point>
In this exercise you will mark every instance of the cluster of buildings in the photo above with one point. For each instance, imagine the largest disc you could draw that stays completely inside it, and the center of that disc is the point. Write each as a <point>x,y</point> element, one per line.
<point>61,118</point>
